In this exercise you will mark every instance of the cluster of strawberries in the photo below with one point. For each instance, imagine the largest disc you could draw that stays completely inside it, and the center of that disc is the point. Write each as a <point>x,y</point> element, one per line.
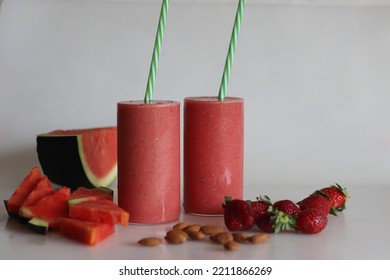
<point>307,216</point>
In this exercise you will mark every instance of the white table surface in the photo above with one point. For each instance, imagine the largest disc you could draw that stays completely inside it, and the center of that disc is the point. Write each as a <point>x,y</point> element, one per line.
<point>315,81</point>
<point>361,232</point>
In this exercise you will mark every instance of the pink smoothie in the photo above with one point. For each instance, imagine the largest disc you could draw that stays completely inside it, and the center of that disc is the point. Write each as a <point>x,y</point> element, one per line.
<point>213,153</point>
<point>149,160</point>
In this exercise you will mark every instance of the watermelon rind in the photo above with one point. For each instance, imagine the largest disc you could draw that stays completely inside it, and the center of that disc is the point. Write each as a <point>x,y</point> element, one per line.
<point>63,160</point>
<point>77,200</point>
<point>38,225</point>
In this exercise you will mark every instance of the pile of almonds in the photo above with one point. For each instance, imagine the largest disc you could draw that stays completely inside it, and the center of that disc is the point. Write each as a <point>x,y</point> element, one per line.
<point>183,231</point>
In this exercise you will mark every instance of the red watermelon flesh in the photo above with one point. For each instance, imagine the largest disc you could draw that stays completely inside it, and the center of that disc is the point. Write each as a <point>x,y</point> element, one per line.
<point>43,188</point>
<point>103,211</point>
<point>50,208</point>
<point>22,191</point>
<point>97,193</point>
<point>79,157</point>
<point>87,232</point>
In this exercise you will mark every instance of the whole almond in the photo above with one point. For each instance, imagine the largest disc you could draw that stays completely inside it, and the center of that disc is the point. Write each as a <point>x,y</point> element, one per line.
<point>222,237</point>
<point>259,238</point>
<point>196,235</point>
<point>240,237</point>
<point>193,227</point>
<point>211,229</point>
<point>177,232</point>
<point>150,241</point>
<point>175,238</point>
<point>231,246</point>
<point>181,225</point>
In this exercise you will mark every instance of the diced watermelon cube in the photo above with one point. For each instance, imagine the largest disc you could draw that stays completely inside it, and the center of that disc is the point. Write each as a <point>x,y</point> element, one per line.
<point>87,232</point>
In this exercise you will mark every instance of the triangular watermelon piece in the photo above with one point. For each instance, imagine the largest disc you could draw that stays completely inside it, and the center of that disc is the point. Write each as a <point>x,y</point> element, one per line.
<point>103,211</point>
<point>43,188</point>
<point>28,184</point>
<point>50,208</point>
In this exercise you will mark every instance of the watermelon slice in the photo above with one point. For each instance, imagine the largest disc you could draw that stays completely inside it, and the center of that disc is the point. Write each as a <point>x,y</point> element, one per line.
<point>96,193</point>
<point>28,184</point>
<point>50,208</point>
<point>43,188</point>
<point>79,157</point>
<point>103,211</point>
<point>86,232</point>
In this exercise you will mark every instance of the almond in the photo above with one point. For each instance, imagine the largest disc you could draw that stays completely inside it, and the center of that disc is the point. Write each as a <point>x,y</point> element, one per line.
<point>150,241</point>
<point>193,227</point>
<point>231,246</point>
<point>240,237</point>
<point>222,237</point>
<point>177,232</point>
<point>259,238</point>
<point>196,235</point>
<point>211,229</point>
<point>175,239</point>
<point>181,225</point>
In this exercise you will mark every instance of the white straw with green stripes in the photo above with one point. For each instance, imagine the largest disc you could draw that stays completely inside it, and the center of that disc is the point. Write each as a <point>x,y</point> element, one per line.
<point>232,49</point>
<point>156,52</point>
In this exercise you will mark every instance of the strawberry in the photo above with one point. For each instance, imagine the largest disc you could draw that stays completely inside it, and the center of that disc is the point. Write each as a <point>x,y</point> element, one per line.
<point>238,214</point>
<point>311,221</point>
<point>275,221</point>
<point>317,200</point>
<point>259,208</point>
<point>286,206</point>
<point>266,222</point>
<point>338,196</point>
<point>261,205</point>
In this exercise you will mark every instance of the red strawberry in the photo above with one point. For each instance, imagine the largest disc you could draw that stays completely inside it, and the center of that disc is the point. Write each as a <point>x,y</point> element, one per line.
<point>261,205</point>
<point>266,222</point>
<point>286,206</point>
<point>338,196</point>
<point>311,221</point>
<point>275,221</point>
<point>317,200</point>
<point>259,208</point>
<point>238,214</point>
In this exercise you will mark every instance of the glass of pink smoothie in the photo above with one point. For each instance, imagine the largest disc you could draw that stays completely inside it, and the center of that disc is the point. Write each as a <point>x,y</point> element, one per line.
<point>149,160</point>
<point>213,153</point>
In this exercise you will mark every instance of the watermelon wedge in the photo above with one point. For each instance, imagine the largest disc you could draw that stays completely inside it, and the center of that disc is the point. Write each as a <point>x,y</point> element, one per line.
<point>43,188</point>
<point>79,157</point>
<point>96,193</point>
<point>21,193</point>
<point>87,232</point>
<point>103,211</point>
<point>50,208</point>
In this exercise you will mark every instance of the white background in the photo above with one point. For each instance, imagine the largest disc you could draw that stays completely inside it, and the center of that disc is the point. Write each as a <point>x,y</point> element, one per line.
<point>315,78</point>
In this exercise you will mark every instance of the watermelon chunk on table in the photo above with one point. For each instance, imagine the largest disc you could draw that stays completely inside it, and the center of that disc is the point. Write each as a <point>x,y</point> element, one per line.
<point>87,232</point>
<point>43,188</point>
<point>103,211</point>
<point>96,193</point>
<point>50,208</point>
<point>27,185</point>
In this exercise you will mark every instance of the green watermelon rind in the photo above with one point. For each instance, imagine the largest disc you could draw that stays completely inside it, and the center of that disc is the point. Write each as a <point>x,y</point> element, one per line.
<point>38,225</point>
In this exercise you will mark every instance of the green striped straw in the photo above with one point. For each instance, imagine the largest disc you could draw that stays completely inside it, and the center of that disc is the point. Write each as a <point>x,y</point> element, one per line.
<point>156,52</point>
<point>232,49</point>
